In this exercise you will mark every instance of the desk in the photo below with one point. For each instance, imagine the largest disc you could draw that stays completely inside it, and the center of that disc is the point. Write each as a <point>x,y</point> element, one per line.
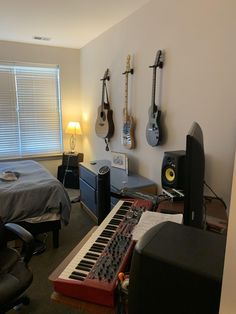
<point>214,207</point>
<point>216,216</point>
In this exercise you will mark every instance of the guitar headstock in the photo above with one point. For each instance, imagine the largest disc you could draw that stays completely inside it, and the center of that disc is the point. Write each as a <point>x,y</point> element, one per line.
<point>128,69</point>
<point>159,60</point>
<point>106,76</point>
<point>128,63</point>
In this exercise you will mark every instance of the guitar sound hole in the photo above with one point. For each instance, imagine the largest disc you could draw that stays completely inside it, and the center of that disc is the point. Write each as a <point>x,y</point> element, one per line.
<point>102,115</point>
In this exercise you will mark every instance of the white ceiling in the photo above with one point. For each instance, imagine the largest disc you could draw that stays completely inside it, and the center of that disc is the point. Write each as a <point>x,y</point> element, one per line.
<point>68,23</point>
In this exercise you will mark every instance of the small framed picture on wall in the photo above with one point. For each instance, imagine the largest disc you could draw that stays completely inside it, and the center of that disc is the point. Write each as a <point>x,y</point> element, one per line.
<point>119,160</point>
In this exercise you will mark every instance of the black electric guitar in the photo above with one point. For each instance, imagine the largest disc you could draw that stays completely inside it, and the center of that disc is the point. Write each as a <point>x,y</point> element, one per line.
<point>153,129</point>
<point>104,126</point>
<point>127,137</point>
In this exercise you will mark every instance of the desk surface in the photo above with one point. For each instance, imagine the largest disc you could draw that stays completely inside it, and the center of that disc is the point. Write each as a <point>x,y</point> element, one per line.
<point>214,207</point>
<point>216,216</point>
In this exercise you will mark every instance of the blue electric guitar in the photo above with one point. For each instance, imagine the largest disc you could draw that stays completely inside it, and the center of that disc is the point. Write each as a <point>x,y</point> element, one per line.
<point>153,129</point>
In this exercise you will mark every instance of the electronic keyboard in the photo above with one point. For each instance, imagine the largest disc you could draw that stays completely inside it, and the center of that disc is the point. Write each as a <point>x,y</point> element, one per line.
<point>92,274</point>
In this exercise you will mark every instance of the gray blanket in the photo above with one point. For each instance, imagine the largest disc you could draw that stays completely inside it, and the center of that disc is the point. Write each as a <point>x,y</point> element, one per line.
<point>34,193</point>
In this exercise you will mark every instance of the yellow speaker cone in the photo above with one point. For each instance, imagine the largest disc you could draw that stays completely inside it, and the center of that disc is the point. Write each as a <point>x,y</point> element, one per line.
<point>170,174</point>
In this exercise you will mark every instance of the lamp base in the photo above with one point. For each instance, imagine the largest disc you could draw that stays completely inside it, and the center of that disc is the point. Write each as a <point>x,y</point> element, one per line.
<point>72,143</point>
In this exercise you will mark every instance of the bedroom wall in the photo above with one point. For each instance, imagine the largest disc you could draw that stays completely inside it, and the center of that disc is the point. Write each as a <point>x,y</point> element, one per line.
<point>197,85</point>
<point>68,60</point>
<point>228,301</point>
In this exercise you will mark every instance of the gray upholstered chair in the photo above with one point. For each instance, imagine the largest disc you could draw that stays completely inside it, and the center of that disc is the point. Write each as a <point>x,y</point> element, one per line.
<point>15,275</point>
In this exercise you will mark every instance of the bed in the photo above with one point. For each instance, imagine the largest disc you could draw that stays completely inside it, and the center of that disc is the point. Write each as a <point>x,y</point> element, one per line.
<point>33,198</point>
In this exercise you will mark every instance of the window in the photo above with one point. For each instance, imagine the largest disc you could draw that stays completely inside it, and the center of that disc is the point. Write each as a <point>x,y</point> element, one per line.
<point>30,111</point>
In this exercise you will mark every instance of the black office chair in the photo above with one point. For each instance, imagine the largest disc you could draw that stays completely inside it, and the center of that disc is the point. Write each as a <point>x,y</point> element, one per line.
<point>15,275</point>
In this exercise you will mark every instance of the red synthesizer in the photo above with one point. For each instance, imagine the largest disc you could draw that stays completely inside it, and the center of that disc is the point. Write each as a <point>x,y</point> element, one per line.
<point>92,274</point>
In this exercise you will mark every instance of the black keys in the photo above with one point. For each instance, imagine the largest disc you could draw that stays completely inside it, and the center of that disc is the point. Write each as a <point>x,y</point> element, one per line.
<point>85,265</point>
<point>107,233</point>
<point>102,240</point>
<point>115,222</point>
<point>121,212</point>
<point>110,227</point>
<point>91,256</point>
<point>117,216</point>
<point>97,248</point>
<point>77,275</point>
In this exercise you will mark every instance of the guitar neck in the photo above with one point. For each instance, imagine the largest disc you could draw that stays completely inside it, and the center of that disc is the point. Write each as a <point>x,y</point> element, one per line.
<point>105,78</point>
<point>153,89</point>
<point>125,113</point>
<point>103,93</point>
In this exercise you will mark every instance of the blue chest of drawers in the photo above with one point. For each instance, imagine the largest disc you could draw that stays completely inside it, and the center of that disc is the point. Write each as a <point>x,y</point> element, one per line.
<point>118,180</point>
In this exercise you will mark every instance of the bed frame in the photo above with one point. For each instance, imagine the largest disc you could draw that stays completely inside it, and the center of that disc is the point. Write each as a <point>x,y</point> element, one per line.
<point>43,227</point>
<point>38,228</point>
<point>21,202</point>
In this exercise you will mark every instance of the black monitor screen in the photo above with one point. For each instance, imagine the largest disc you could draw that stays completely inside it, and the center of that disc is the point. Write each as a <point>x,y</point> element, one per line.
<point>194,178</point>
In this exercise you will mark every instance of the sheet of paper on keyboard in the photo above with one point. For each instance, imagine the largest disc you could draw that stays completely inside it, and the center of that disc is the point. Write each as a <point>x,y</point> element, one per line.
<point>150,219</point>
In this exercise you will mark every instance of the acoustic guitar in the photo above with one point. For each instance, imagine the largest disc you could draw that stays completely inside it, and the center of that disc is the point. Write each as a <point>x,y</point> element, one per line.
<point>127,137</point>
<point>104,126</point>
<point>153,129</point>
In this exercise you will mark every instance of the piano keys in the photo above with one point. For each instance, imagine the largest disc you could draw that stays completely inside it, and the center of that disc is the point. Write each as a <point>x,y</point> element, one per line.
<point>92,274</point>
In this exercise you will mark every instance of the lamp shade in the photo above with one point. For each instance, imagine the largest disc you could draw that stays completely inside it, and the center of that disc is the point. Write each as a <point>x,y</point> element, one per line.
<point>73,128</point>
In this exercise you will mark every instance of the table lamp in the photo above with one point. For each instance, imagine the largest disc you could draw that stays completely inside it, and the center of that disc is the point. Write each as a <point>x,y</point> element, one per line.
<point>74,129</point>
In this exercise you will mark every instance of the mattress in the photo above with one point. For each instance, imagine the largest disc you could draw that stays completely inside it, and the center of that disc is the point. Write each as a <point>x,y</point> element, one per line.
<point>33,194</point>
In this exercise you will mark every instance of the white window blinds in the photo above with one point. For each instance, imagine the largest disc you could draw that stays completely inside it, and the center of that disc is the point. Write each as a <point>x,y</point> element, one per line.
<point>30,111</point>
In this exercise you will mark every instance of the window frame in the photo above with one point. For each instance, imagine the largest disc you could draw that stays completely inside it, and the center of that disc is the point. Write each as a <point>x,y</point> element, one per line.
<point>13,67</point>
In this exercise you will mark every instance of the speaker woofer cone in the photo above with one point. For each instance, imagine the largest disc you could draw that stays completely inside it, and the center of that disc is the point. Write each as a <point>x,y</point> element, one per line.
<point>173,169</point>
<point>170,175</point>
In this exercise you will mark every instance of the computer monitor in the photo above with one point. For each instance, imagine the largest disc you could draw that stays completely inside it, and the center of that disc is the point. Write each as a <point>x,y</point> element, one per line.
<point>194,178</point>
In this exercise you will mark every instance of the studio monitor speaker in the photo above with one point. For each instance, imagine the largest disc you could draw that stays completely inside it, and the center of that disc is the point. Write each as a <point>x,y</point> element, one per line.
<point>176,269</point>
<point>172,173</point>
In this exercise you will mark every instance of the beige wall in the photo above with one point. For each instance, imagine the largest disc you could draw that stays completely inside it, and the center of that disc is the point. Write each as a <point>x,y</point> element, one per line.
<point>228,300</point>
<point>198,83</point>
<point>68,60</point>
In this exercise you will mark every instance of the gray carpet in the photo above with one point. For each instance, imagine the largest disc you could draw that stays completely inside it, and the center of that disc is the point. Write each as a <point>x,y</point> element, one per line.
<point>43,265</point>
